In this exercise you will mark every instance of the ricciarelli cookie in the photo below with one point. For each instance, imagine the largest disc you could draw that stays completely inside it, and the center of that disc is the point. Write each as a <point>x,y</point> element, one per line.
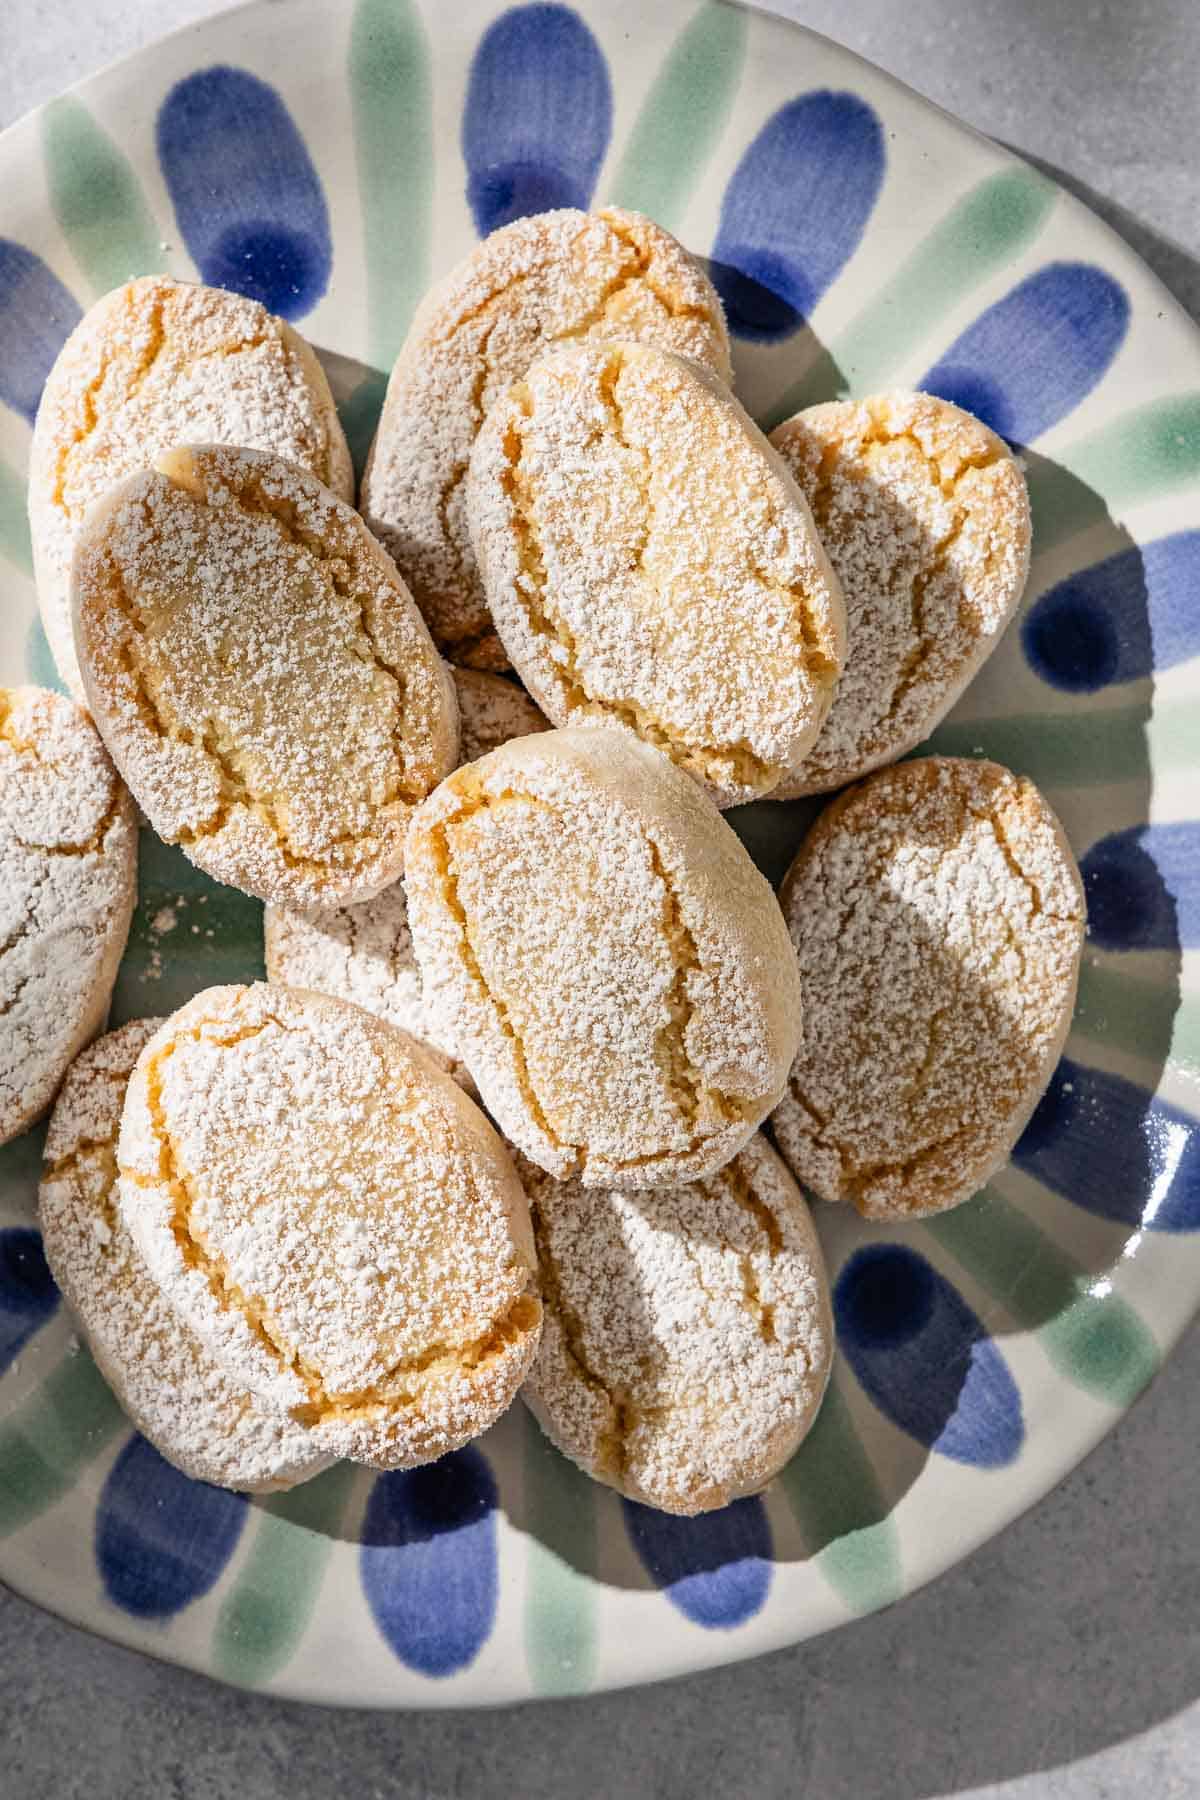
<point>334,1219</point>
<point>616,969</point>
<point>562,274</point>
<point>172,1389</point>
<point>364,953</point>
<point>925,515</point>
<point>68,880</point>
<point>156,363</point>
<point>260,674</point>
<point>649,562</point>
<point>938,920</point>
<point>688,1336</point>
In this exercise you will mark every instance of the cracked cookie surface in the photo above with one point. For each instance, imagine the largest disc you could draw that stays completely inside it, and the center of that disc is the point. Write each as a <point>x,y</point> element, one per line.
<point>334,1219</point>
<point>364,953</point>
<point>925,515</point>
<point>153,364</point>
<point>172,1389</point>
<point>616,969</point>
<point>562,274</point>
<point>687,1337</point>
<point>938,921</point>
<point>260,674</point>
<point>68,880</point>
<point>650,563</point>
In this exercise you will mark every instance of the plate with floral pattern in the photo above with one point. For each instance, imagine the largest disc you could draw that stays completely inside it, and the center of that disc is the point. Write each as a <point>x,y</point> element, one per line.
<point>330,160</point>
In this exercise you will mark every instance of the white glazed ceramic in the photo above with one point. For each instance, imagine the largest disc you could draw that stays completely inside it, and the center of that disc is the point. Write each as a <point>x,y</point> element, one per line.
<point>333,158</point>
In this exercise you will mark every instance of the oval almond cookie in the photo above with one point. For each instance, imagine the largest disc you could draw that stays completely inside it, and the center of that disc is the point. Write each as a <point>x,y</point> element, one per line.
<point>617,971</point>
<point>925,515</point>
<point>333,1218</point>
<point>561,274</point>
<point>174,1392</point>
<point>938,920</point>
<point>160,362</point>
<point>649,562</point>
<point>688,1337</point>
<point>260,674</point>
<point>68,882</point>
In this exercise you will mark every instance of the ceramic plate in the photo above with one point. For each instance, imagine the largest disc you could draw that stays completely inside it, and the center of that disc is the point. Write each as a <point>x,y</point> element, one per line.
<point>330,159</point>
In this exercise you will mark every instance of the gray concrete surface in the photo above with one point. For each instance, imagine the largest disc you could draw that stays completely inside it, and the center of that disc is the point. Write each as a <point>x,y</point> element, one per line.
<point>1062,1662</point>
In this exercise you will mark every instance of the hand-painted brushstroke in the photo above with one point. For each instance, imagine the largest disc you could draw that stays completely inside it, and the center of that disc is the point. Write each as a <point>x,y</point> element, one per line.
<point>1099,1343</point>
<point>48,1438</point>
<point>560,1602</point>
<point>28,1296</point>
<point>245,192</point>
<point>538,115</point>
<point>428,1561</point>
<point>1115,1150</point>
<point>683,115</point>
<point>1031,358</point>
<point>37,315</point>
<point>264,1615</point>
<point>842,1510</point>
<point>715,1569</point>
<point>925,1358</point>
<point>776,252</point>
<point>1119,620</point>
<point>162,1540</point>
<point>984,231</point>
<point>1143,887</point>
<point>97,199</point>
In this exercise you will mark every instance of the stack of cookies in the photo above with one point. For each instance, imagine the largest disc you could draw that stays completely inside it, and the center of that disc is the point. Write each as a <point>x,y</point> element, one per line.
<point>498,1120</point>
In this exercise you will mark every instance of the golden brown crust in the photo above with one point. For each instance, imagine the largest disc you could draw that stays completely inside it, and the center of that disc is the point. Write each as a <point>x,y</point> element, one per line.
<point>617,970</point>
<point>334,1219</point>
<point>260,674</point>
<point>938,920</point>
<point>687,1338</point>
<point>925,515</point>
<point>68,882</point>
<point>156,363</point>
<point>554,275</point>
<point>649,562</point>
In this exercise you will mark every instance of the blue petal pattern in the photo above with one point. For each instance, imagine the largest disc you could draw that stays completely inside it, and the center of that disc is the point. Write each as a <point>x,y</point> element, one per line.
<point>428,1561</point>
<point>28,1295</point>
<point>924,1357</point>
<point>715,1568</point>
<point>1143,888</point>
<point>162,1539</point>
<point>538,116</point>
<point>245,192</point>
<point>794,211</point>
<point>37,315</point>
<point>1119,620</point>
<point>1032,357</point>
<point>1115,1150</point>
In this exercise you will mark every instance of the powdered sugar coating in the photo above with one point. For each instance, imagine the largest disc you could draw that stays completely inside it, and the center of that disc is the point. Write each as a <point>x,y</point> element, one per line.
<point>68,880</point>
<point>492,710</point>
<point>938,919</point>
<point>649,562</point>
<point>688,1337</point>
<point>925,515</point>
<point>617,970</point>
<point>333,1217</point>
<point>562,274</point>
<point>260,674</point>
<point>171,1388</point>
<point>156,363</point>
<point>364,953</point>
